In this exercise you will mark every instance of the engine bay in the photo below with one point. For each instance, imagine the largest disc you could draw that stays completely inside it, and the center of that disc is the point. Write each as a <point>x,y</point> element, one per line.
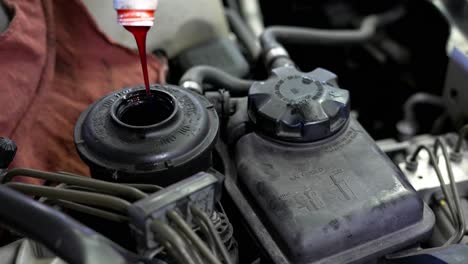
<point>283,132</point>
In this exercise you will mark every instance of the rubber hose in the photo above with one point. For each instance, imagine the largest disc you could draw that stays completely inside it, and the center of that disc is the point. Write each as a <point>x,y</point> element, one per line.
<point>219,79</point>
<point>244,34</point>
<point>50,227</point>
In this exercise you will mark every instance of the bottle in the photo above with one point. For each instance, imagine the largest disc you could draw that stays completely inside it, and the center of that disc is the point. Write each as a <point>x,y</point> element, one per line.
<point>136,12</point>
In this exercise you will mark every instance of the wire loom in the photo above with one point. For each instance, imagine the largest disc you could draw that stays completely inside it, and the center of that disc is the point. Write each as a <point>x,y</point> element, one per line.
<point>110,201</point>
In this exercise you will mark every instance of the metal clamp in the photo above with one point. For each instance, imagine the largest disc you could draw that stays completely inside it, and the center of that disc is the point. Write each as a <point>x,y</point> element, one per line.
<point>274,54</point>
<point>193,86</point>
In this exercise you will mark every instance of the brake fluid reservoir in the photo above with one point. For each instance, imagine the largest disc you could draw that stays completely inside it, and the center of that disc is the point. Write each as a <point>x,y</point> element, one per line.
<point>317,180</point>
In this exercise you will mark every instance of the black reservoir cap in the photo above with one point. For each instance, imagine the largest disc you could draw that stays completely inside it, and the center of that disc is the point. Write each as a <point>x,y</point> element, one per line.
<point>299,107</point>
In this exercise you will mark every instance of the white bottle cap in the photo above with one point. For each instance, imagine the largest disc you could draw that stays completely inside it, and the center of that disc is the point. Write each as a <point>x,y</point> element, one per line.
<point>136,4</point>
<point>135,12</point>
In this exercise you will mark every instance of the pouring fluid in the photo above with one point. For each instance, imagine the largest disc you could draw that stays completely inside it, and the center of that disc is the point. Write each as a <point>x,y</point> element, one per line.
<point>140,32</point>
<point>138,16</point>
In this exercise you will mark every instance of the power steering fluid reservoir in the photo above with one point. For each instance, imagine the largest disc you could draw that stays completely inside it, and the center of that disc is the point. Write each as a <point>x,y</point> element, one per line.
<point>129,136</point>
<point>317,180</point>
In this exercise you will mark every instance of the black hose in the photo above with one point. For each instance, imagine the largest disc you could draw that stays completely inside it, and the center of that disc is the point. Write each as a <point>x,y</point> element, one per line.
<point>273,37</point>
<point>244,34</point>
<point>201,75</point>
<point>196,77</point>
<point>50,227</point>
<point>108,187</point>
<point>460,223</point>
<point>100,200</point>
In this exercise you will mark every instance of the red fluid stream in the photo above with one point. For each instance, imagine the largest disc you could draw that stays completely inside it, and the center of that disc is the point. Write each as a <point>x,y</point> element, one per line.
<point>140,32</point>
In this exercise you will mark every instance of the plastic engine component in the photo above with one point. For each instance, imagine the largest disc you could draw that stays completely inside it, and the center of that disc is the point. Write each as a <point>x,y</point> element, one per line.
<point>335,201</point>
<point>201,190</point>
<point>316,179</point>
<point>296,106</point>
<point>128,136</point>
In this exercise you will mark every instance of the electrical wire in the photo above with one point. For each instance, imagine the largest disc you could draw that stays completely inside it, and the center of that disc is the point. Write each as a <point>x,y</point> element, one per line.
<point>443,207</point>
<point>172,242</point>
<point>107,187</point>
<point>198,243</point>
<point>89,210</point>
<point>218,242</point>
<point>76,188</point>
<point>193,250</point>
<point>101,200</point>
<point>453,211</point>
<point>460,223</point>
<point>461,136</point>
<point>207,236</point>
<point>147,188</point>
<point>84,208</point>
<point>433,162</point>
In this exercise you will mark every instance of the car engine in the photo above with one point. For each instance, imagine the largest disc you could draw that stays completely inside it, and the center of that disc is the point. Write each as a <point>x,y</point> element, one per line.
<point>288,132</point>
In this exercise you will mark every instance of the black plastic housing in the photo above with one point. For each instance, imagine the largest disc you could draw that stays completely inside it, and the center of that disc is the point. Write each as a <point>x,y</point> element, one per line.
<point>339,200</point>
<point>201,191</point>
<point>162,139</point>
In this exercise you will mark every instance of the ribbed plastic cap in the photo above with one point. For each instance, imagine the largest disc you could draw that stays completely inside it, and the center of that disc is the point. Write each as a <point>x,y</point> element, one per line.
<point>299,107</point>
<point>136,4</point>
<point>7,152</point>
<point>136,12</point>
